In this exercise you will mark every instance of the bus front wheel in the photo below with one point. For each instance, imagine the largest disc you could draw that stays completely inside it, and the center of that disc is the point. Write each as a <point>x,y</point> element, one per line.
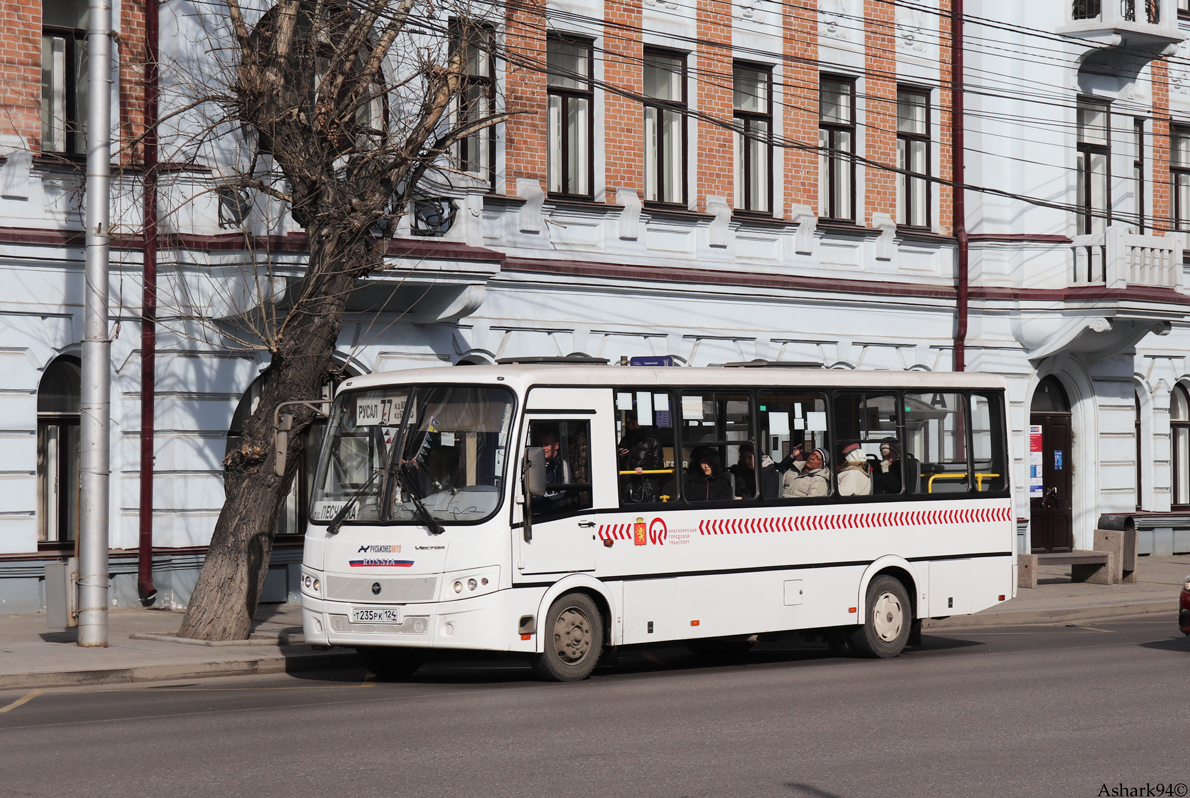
<point>885,629</point>
<point>390,663</point>
<point>573,633</point>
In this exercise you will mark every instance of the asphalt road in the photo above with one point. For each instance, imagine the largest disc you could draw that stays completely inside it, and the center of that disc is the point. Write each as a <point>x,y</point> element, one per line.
<point>1008,711</point>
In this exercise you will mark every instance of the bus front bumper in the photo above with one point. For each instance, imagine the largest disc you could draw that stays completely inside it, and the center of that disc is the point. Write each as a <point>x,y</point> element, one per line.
<point>489,622</point>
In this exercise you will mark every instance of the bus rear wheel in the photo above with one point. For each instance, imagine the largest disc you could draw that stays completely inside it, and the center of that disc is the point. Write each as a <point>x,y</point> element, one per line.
<point>573,633</point>
<point>390,663</point>
<point>887,622</point>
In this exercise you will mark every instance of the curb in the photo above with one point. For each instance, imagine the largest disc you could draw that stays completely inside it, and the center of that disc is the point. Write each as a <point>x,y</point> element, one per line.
<point>276,663</point>
<point>257,639</point>
<point>1025,617</point>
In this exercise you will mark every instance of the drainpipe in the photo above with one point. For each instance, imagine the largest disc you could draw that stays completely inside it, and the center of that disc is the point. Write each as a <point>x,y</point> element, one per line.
<point>959,177</point>
<point>95,405</point>
<point>148,330</point>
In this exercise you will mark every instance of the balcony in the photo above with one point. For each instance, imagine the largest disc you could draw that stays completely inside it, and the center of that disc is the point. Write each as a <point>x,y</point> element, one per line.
<point>1118,258</point>
<point>1140,26</point>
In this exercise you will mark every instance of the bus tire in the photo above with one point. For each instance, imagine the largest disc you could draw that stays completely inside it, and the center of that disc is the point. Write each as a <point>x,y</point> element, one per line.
<point>390,663</point>
<point>573,640</point>
<point>888,619</point>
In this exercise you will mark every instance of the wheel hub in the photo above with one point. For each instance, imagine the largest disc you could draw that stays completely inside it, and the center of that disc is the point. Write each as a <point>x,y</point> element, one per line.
<point>572,635</point>
<point>888,617</point>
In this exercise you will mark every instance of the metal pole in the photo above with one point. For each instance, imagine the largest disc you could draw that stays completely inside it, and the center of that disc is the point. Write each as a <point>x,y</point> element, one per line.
<point>94,446</point>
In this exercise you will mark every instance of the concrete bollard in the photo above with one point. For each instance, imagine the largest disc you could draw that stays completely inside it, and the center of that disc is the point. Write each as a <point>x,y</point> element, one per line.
<point>1112,542</point>
<point>1026,570</point>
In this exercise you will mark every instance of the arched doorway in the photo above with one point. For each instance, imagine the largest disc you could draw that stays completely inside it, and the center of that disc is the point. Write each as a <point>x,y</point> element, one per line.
<point>293,516</point>
<point>58,400</point>
<point>1050,485</point>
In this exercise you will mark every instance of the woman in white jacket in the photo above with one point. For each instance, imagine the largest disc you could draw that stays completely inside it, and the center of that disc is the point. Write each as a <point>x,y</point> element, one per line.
<point>854,477</point>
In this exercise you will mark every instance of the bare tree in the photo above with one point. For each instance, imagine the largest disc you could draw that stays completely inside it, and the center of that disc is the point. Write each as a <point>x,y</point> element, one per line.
<point>351,105</point>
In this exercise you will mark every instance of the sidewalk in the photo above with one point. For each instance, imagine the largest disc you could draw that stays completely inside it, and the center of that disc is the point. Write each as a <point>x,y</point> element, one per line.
<point>141,647</point>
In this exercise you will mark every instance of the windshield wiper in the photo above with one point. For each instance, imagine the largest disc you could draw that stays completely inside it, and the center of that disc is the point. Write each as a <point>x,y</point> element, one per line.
<point>427,517</point>
<point>345,510</point>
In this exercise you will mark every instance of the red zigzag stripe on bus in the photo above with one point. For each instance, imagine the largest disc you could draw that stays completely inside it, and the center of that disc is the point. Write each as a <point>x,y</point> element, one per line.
<point>615,531</point>
<point>816,523</point>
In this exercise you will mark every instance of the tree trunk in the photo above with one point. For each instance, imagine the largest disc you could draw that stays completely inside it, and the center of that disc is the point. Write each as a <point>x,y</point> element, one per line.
<point>237,562</point>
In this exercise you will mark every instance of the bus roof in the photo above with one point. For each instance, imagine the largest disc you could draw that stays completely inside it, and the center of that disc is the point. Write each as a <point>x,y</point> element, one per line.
<point>521,378</point>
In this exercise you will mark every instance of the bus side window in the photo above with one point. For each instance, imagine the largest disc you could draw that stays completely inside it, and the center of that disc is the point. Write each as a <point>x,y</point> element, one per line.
<point>567,448</point>
<point>645,441</point>
<point>788,419</point>
<point>988,443</point>
<point>936,436</point>
<point>717,428</point>
<point>868,451</point>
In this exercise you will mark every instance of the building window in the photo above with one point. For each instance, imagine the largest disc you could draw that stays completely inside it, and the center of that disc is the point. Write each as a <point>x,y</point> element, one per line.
<point>58,403</point>
<point>1179,175</point>
<point>836,147</point>
<point>476,152</point>
<point>1094,166</point>
<point>913,156</point>
<point>1139,460</point>
<point>665,127</point>
<point>1085,9</point>
<point>1138,170</point>
<point>64,76</point>
<point>752,91</point>
<point>1184,8</point>
<point>1179,423</point>
<point>571,124</point>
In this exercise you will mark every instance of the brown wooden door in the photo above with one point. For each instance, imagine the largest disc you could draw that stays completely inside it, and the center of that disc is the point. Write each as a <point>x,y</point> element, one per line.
<point>1052,524</point>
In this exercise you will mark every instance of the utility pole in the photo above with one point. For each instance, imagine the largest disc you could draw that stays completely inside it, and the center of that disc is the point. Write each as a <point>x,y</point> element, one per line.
<point>94,446</point>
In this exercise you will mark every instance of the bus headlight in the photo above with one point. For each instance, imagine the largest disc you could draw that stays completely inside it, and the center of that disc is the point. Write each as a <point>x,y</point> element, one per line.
<point>311,584</point>
<point>466,584</point>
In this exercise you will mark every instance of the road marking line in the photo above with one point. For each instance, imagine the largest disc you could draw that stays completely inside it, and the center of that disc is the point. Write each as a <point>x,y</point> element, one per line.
<point>1090,629</point>
<point>26,698</point>
<point>368,684</point>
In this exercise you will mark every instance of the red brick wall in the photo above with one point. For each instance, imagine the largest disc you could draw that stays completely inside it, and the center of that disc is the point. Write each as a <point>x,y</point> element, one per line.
<point>525,95</point>
<point>623,118</point>
<point>20,72</point>
<point>1162,213</point>
<point>880,117</point>
<point>713,84</point>
<point>944,223</point>
<point>799,108</point>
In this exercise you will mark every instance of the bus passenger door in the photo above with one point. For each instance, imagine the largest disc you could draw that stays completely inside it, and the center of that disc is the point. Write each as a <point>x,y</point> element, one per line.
<point>562,537</point>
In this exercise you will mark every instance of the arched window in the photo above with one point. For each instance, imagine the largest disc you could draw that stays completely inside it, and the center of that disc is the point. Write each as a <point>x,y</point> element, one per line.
<point>58,399</point>
<point>1139,461</point>
<point>293,516</point>
<point>1179,423</point>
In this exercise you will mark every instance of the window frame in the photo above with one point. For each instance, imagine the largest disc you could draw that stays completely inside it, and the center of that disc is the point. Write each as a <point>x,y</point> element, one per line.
<point>1181,216</point>
<point>680,107</point>
<point>834,128</point>
<point>75,129</point>
<point>742,122</point>
<point>566,94</point>
<point>1086,210</point>
<point>906,193</point>
<point>487,135</point>
<point>1177,467</point>
<point>1138,170</point>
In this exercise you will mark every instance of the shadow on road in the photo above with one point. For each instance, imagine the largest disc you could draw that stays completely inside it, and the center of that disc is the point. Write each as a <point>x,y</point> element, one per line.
<point>1180,643</point>
<point>810,791</point>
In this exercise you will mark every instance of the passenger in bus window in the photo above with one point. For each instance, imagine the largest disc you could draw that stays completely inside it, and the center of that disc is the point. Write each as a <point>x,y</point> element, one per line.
<point>854,479</point>
<point>808,479</point>
<point>887,477</point>
<point>639,450</point>
<point>709,483</point>
<point>745,474</point>
<point>557,472</point>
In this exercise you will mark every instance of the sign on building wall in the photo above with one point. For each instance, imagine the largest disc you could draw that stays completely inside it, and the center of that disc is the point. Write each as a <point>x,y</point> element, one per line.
<point>1035,466</point>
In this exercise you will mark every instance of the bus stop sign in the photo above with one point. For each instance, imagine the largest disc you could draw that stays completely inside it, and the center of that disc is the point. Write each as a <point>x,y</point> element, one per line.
<point>651,360</point>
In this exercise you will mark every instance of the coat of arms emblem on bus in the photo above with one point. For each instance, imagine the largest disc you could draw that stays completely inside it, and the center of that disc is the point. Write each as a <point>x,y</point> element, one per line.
<point>639,536</point>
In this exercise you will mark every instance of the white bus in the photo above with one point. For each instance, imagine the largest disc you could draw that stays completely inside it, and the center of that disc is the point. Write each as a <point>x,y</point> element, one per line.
<point>553,511</point>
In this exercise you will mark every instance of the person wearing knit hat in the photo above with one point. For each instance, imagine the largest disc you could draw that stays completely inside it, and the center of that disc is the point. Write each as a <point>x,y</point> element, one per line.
<point>887,475</point>
<point>812,479</point>
<point>854,479</point>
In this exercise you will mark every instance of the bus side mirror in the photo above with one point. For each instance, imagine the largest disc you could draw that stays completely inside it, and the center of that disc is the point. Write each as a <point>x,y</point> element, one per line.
<point>534,471</point>
<point>281,444</point>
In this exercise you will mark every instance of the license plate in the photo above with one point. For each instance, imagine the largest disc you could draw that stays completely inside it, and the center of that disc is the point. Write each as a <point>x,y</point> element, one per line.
<point>368,615</point>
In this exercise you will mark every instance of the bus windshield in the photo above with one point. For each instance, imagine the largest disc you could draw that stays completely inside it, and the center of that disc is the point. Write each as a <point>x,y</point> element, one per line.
<point>452,442</point>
